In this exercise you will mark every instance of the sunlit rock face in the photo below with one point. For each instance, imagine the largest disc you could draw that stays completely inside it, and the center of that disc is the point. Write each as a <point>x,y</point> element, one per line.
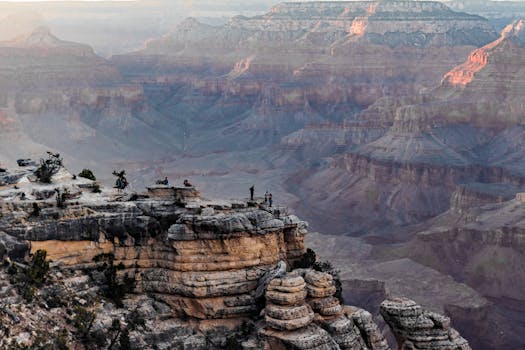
<point>407,156</point>
<point>300,63</point>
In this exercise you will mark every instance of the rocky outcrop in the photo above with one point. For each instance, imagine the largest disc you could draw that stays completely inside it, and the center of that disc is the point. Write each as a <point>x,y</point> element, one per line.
<point>415,328</point>
<point>286,307</point>
<point>197,261</point>
<point>317,320</point>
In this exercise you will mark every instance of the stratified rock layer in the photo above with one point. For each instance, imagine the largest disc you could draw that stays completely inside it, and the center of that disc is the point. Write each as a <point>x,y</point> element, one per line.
<point>199,261</point>
<point>415,328</point>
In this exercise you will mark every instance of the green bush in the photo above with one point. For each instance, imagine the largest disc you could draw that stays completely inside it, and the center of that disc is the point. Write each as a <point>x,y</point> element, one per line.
<point>61,197</point>
<point>87,174</point>
<point>307,261</point>
<point>83,320</point>
<point>29,279</point>
<point>39,268</point>
<point>125,343</point>
<point>96,188</point>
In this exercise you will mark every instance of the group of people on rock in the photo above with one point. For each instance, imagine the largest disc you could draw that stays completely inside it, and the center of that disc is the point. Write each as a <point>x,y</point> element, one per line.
<point>268,198</point>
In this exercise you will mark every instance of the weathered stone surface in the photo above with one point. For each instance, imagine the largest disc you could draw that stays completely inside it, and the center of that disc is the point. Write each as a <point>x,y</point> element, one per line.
<point>290,324</point>
<point>344,332</point>
<point>283,298</point>
<point>12,247</point>
<point>310,337</point>
<point>319,304</point>
<point>318,279</point>
<point>369,330</point>
<point>415,328</point>
<point>288,281</point>
<point>198,265</point>
<point>315,292</point>
<point>287,312</point>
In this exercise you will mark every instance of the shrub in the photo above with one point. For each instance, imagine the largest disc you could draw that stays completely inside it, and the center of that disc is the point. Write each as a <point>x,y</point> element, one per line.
<point>36,210</point>
<point>87,174</point>
<point>114,289</point>
<point>307,261</point>
<point>96,188</point>
<point>122,182</point>
<point>31,278</point>
<point>61,340</point>
<point>125,343</point>
<point>39,268</point>
<point>48,167</point>
<point>61,197</point>
<point>83,320</point>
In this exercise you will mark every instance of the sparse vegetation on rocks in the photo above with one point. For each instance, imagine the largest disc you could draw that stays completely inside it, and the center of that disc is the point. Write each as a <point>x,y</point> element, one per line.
<point>114,289</point>
<point>122,182</point>
<point>49,167</point>
<point>62,195</point>
<point>29,278</point>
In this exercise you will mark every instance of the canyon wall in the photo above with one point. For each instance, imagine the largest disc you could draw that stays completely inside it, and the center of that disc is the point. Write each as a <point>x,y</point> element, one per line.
<point>300,63</point>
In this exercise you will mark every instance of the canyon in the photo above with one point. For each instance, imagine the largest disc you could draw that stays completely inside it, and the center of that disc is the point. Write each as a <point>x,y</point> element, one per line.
<point>393,127</point>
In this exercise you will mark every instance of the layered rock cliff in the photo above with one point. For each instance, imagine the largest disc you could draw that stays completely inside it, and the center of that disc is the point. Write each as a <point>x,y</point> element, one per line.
<point>300,63</point>
<point>417,150</point>
<point>189,266</point>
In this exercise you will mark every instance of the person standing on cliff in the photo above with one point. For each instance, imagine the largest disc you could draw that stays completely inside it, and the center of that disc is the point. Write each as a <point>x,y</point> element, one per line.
<point>266,197</point>
<point>270,199</point>
<point>252,191</point>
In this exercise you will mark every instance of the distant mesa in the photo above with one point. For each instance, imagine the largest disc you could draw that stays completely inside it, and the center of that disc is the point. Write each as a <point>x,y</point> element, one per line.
<point>42,38</point>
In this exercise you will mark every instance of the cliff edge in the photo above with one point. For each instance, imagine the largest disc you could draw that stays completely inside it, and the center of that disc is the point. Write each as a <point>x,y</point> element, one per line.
<point>86,267</point>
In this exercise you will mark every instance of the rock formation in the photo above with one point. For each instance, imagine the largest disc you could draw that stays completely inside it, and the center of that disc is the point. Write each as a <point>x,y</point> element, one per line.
<point>415,328</point>
<point>196,261</point>
<point>301,63</point>
<point>286,308</point>
<point>78,98</point>
<point>414,152</point>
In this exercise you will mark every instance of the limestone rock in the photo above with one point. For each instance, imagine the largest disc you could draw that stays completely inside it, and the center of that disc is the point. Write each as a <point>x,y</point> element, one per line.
<point>319,279</point>
<point>289,325</point>
<point>291,291</point>
<point>415,328</point>
<point>310,337</point>
<point>368,329</point>
<point>321,289</point>
<point>286,308</point>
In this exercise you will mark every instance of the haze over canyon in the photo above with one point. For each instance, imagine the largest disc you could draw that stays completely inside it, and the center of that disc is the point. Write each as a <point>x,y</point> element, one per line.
<point>395,128</point>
